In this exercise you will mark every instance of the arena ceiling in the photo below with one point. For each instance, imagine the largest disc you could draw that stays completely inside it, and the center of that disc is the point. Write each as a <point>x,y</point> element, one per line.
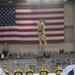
<point>31,1</point>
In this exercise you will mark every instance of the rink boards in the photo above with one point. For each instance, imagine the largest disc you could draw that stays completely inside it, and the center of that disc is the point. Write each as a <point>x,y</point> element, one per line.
<point>38,74</point>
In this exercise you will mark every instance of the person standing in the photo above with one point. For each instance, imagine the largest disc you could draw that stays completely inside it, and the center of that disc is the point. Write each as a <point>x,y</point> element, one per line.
<point>2,56</point>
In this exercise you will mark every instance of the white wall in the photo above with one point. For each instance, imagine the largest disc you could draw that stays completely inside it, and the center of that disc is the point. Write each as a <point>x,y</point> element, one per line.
<point>68,14</point>
<point>1,48</point>
<point>55,47</point>
<point>23,48</point>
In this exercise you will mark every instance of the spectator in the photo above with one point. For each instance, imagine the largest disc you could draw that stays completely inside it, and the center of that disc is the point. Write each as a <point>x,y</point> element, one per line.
<point>2,57</point>
<point>5,52</point>
<point>62,51</point>
<point>44,54</point>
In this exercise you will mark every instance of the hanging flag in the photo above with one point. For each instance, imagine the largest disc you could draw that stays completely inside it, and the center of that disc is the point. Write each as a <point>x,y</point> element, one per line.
<point>18,24</point>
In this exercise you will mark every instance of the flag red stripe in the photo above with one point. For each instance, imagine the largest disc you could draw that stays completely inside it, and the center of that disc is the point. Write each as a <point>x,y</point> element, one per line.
<point>33,13</point>
<point>56,23</point>
<point>24,36</point>
<point>34,24</point>
<point>30,30</point>
<point>54,29</point>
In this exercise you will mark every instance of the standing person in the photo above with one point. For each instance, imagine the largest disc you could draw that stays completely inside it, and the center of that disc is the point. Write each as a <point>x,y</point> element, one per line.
<point>41,32</point>
<point>29,72</point>
<point>18,72</point>
<point>43,71</point>
<point>58,70</point>
<point>2,56</point>
<point>6,71</point>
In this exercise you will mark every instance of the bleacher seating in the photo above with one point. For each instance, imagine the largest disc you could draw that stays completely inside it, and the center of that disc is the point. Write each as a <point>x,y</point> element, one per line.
<point>36,63</point>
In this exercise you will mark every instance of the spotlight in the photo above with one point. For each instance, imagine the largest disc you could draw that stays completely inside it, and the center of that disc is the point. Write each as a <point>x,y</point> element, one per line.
<point>46,0</point>
<point>64,0</point>
<point>10,1</point>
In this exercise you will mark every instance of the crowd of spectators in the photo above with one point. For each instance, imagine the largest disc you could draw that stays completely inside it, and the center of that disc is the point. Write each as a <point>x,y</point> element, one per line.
<point>7,55</point>
<point>56,62</point>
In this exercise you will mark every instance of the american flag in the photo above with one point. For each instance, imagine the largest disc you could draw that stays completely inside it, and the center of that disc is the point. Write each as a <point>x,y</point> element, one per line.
<point>18,24</point>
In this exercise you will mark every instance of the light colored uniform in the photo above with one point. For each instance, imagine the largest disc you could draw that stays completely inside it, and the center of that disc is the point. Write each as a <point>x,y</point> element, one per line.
<point>6,72</point>
<point>18,72</point>
<point>41,33</point>
<point>44,72</point>
<point>29,72</point>
<point>58,71</point>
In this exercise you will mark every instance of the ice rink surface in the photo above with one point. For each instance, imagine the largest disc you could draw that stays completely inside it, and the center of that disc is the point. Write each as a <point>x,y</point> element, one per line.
<point>38,74</point>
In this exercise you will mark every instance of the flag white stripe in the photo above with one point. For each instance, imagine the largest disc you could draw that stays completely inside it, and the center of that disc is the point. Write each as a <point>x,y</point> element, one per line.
<point>30,27</point>
<point>33,38</point>
<point>30,33</point>
<point>39,15</point>
<point>29,22</point>
<point>41,10</point>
